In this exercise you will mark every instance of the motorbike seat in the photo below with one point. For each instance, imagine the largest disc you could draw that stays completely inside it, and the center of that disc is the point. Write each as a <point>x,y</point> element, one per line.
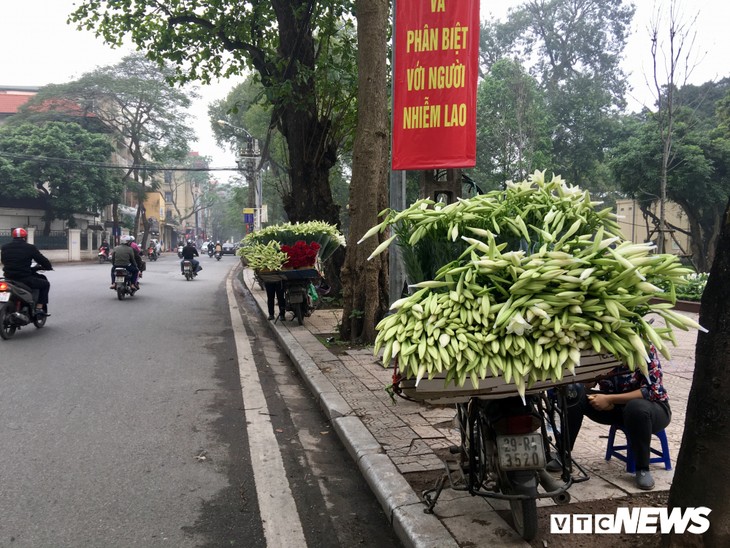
<point>21,285</point>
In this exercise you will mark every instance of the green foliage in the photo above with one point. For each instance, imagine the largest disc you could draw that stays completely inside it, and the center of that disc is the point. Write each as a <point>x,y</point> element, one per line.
<point>690,287</point>
<point>698,177</point>
<point>573,50</point>
<point>303,55</point>
<point>513,127</point>
<point>60,163</point>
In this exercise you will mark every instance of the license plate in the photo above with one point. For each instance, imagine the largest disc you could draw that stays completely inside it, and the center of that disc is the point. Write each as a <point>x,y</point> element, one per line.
<point>521,452</point>
<point>4,297</point>
<point>120,280</point>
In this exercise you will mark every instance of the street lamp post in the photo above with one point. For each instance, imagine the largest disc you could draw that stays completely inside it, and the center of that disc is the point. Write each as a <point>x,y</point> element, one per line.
<point>249,162</point>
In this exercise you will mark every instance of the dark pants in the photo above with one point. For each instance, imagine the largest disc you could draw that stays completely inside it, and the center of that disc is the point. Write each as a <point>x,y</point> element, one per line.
<point>132,269</point>
<point>39,282</point>
<point>640,418</point>
<point>275,289</point>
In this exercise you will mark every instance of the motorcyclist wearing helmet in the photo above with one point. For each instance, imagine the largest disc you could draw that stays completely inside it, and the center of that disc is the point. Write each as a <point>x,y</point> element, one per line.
<point>218,247</point>
<point>189,252</point>
<point>211,247</point>
<point>17,257</point>
<point>125,255</point>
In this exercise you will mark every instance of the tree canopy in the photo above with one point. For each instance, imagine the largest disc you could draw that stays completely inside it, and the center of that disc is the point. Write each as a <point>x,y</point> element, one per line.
<point>135,102</point>
<point>61,164</point>
<point>698,169</point>
<point>514,139</point>
<point>303,53</point>
<point>573,48</point>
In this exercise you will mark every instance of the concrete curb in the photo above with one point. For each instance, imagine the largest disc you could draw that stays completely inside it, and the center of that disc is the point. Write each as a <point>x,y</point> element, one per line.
<point>401,504</point>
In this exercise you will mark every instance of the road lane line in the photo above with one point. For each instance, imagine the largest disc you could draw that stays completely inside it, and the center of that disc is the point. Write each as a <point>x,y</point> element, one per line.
<point>279,516</point>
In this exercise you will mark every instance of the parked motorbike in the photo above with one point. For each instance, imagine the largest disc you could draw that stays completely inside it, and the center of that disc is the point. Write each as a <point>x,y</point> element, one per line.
<point>17,308</point>
<point>104,255</point>
<point>505,444</point>
<point>188,270</point>
<point>123,283</point>
<point>152,253</point>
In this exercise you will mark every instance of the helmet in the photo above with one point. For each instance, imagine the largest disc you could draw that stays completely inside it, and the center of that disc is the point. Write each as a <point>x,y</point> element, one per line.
<point>190,242</point>
<point>126,239</point>
<point>20,233</point>
<point>218,241</point>
<point>131,238</point>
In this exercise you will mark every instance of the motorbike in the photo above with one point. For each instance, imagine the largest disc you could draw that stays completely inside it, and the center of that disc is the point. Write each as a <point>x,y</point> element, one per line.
<point>123,283</point>
<point>188,270</point>
<point>218,255</point>
<point>505,444</point>
<point>179,251</point>
<point>210,253</point>
<point>104,255</point>
<point>17,308</point>
<point>152,253</point>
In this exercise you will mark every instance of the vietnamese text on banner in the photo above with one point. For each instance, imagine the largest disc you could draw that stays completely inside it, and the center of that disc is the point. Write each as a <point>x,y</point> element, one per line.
<point>435,83</point>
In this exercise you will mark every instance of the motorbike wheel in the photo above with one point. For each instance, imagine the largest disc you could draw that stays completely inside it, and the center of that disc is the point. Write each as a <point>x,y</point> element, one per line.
<point>121,294</point>
<point>524,512</point>
<point>188,276</point>
<point>7,330</point>
<point>102,260</point>
<point>524,516</point>
<point>39,321</point>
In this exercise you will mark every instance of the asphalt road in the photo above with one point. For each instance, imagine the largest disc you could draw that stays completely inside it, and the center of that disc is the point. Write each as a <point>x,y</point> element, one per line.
<point>123,424</point>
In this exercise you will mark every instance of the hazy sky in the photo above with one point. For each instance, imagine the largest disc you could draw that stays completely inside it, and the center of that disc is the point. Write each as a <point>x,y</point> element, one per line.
<point>37,47</point>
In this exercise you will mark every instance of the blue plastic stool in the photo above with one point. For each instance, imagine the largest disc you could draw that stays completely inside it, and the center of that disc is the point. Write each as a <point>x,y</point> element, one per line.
<point>628,457</point>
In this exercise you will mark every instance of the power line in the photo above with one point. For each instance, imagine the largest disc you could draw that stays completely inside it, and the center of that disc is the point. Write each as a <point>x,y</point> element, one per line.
<point>84,163</point>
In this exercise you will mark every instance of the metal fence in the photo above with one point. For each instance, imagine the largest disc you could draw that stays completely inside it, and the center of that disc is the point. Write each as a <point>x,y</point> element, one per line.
<point>84,240</point>
<point>55,240</point>
<point>5,237</point>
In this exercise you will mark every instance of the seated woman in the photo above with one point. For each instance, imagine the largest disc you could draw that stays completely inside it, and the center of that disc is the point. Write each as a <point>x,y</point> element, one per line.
<point>628,399</point>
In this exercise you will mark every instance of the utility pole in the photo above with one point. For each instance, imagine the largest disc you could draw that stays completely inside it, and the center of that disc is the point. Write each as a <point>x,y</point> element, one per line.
<point>249,163</point>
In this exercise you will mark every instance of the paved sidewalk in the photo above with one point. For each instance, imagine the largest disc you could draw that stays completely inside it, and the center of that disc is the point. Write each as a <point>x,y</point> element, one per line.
<point>389,441</point>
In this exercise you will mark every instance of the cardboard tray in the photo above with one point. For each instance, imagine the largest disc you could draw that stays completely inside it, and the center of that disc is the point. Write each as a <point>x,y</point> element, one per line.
<point>434,391</point>
<point>273,276</point>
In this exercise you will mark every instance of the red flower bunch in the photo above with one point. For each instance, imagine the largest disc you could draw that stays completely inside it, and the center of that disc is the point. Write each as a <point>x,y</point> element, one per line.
<point>301,254</point>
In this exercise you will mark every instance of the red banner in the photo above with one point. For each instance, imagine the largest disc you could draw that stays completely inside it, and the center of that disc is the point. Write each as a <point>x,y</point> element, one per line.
<point>435,84</point>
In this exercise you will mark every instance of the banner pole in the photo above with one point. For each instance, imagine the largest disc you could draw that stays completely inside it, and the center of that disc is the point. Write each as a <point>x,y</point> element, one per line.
<point>397,197</point>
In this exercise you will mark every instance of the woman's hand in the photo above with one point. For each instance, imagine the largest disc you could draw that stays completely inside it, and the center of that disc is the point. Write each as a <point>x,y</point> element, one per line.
<point>600,402</point>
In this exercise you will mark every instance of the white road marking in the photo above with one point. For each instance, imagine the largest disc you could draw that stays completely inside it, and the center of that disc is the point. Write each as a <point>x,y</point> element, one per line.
<point>279,516</point>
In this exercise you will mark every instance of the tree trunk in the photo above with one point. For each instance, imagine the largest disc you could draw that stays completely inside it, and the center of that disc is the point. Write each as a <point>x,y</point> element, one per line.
<point>366,282</point>
<point>703,476</point>
<point>311,149</point>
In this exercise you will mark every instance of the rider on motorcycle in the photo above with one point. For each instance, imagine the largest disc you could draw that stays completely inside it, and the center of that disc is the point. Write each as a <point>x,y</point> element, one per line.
<point>125,255</point>
<point>211,248</point>
<point>188,254</point>
<point>218,247</point>
<point>16,257</point>
<point>104,247</point>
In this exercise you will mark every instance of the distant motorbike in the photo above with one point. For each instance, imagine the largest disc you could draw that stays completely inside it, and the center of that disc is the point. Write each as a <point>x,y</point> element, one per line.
<point>188,270</point>
<point>152,253</point>
<point>123,283</point>
<point>17,307</point>
<point>104,255</point>
<point>211,253</point>
<point>218,255</point>
<point>179,251</point>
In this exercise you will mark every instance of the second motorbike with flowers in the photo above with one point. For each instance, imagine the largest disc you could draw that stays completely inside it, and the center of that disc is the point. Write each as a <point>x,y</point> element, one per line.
<point>292,255</point>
